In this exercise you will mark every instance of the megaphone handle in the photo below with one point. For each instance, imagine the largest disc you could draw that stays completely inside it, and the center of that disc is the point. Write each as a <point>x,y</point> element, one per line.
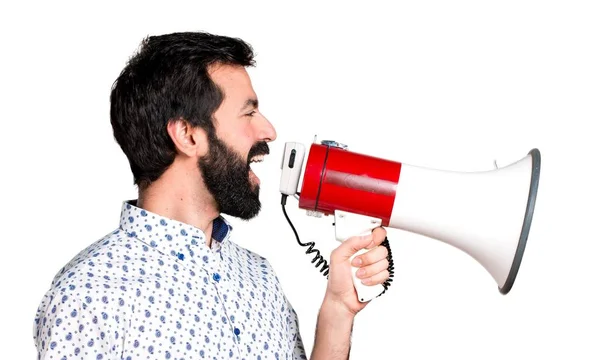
<point>348,225</point>
<point>364,292</point>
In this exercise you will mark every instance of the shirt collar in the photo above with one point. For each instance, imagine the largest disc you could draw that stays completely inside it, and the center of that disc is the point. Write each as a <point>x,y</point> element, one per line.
<point>171,236</point>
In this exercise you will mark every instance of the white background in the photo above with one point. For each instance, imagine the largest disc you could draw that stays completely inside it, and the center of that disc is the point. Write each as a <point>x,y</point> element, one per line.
<point>447,84</point>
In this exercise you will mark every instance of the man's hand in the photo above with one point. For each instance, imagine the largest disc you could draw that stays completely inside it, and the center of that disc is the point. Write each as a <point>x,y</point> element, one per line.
<point>340,306</point>
<point>373,269</point>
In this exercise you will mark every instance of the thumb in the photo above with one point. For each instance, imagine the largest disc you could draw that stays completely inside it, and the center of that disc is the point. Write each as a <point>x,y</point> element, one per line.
<point>351,246</point>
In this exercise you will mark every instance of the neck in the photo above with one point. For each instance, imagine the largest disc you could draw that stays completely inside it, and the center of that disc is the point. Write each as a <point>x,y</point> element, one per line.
<point>188,202</point>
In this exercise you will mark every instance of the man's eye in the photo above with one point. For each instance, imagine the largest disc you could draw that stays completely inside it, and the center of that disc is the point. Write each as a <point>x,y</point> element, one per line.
<point>251,113</point>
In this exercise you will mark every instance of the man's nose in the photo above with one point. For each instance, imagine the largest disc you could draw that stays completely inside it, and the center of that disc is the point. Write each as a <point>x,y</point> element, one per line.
<point>267,131</point>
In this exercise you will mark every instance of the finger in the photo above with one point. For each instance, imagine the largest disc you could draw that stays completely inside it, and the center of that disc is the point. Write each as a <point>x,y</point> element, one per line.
<point>379,235</point>
<point>373,269</point>
<point>376,279</point>
<point>370,257</point>
<point>350,247</point>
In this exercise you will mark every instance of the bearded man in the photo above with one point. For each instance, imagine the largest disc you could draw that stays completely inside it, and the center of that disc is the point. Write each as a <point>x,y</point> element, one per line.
<point>169,283</point>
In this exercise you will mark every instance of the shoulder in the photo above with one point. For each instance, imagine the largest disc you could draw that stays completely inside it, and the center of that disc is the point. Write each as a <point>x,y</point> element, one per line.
<point>249,258</point>
<point>256,266</point>
<point>99,257</point>
<point>92,278</point>
<point>87,304</point>
<point>246,254</point>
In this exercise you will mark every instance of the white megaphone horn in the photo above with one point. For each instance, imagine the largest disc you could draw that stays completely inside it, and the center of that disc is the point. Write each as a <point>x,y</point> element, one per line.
<point>486,214</point>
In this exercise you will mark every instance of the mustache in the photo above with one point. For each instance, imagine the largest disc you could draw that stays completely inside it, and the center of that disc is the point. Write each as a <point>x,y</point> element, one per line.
<point>260,148</point>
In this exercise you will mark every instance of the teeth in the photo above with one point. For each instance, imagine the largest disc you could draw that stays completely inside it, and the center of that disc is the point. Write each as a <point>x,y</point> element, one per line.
<point>257,158</point>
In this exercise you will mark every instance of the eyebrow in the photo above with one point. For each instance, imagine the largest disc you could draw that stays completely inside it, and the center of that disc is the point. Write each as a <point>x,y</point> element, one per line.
<point>253,103</point>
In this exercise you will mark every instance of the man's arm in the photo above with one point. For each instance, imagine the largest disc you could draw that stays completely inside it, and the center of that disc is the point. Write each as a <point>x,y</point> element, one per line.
<point>340,305</point>
<point>334,330</point>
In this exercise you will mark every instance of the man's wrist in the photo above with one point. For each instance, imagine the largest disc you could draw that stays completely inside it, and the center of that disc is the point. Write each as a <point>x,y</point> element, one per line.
<point>337,309</point>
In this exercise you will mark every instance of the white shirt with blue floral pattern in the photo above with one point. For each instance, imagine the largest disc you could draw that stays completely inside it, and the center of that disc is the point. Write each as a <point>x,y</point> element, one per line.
<point>152,289</point>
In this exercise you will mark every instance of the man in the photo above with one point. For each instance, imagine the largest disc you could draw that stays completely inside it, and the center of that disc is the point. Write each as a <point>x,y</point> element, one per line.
<point>169,283</point>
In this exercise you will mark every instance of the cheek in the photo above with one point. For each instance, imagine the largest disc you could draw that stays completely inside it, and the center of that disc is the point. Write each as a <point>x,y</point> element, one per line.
<point>241,138</point>
<point>236,133</point>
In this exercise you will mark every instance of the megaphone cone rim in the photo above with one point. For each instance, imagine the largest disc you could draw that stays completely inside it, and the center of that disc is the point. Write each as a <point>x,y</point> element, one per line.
<point>536,159</point>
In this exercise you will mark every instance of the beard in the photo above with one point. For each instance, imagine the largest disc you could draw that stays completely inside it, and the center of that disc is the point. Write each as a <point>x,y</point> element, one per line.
<point>226,175</point>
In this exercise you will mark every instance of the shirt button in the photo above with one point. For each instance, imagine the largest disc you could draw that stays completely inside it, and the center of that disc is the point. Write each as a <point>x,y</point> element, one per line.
<point>216,277</point>
<point>236,331</point>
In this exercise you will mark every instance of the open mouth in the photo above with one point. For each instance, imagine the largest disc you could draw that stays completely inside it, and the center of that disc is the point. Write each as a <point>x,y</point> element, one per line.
<point>254,160</point>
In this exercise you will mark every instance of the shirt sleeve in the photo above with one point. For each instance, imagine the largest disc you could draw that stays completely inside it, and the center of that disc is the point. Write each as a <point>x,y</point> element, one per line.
<point>67,327</point>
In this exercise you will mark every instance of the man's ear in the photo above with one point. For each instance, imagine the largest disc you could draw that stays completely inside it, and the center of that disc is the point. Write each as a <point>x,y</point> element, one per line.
<point>188,140</point>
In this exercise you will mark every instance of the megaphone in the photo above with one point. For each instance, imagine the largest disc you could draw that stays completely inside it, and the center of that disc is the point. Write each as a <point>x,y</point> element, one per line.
<point>486,214</point>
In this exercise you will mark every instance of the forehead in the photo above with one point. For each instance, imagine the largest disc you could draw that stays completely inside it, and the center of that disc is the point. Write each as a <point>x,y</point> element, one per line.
<point>234,81</point>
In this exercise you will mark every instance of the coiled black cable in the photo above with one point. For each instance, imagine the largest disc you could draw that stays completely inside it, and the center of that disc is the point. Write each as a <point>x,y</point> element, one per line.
<point>386,284</point>
<point>318,257</point>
